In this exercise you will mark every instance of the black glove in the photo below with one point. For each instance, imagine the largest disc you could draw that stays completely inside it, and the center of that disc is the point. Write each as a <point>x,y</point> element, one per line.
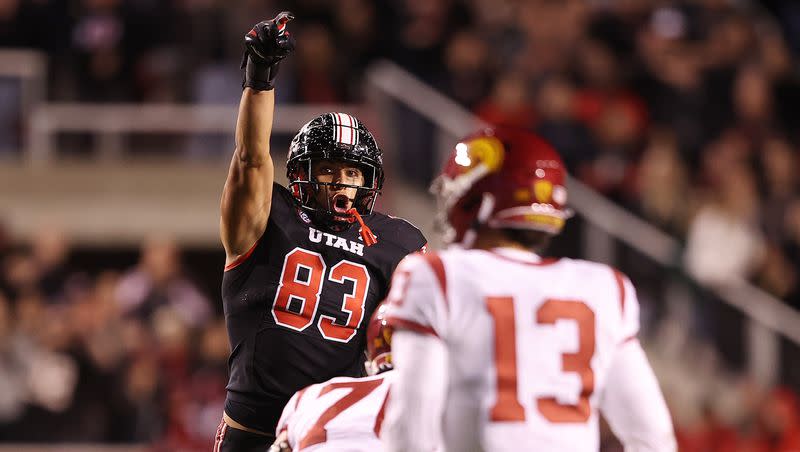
<point>265,46</point>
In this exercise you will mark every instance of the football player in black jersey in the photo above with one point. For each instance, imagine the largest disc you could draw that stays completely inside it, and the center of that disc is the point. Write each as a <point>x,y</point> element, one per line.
<point>306,265</point>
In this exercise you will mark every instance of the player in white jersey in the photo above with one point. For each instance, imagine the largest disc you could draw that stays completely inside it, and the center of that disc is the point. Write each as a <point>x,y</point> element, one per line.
<point>342,414</point>
<point>498,349</point>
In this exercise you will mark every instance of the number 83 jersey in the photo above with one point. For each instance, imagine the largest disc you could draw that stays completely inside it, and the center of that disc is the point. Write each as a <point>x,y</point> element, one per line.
<point>298,303</point>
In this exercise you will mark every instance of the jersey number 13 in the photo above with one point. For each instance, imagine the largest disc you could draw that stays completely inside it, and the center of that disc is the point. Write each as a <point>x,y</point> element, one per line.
<point>508,407</point>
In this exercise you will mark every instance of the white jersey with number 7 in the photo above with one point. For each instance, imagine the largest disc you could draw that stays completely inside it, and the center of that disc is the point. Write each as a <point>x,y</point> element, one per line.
<point>342,414</point>
<point>510,352</point>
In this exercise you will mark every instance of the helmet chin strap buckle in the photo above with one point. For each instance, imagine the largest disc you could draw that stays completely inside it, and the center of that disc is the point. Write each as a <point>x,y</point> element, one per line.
<point>366,233</point>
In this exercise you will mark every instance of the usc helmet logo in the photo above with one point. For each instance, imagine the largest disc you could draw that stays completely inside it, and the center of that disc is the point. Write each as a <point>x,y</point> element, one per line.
<point>543,190</point>
<point>483,150</point>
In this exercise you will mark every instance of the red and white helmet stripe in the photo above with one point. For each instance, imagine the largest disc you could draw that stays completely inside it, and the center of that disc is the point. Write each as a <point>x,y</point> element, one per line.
<point>345,128</point>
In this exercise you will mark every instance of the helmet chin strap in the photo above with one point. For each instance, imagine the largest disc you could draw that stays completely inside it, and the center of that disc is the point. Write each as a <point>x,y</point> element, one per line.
<point>366,233</point>
<point>484,212</point>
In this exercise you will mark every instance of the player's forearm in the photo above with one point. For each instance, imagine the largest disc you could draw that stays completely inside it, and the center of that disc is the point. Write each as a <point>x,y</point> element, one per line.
<point>254,127</point>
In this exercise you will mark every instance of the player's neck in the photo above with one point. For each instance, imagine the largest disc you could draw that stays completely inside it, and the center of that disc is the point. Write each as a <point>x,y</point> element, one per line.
<point>491,238</point>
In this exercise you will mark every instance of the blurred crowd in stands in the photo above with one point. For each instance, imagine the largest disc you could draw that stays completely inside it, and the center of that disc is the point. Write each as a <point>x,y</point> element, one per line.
<point>683,111</point>
<point>128,356</point>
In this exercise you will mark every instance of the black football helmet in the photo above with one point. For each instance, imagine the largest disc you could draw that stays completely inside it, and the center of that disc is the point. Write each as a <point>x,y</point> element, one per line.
<point>334,136</point>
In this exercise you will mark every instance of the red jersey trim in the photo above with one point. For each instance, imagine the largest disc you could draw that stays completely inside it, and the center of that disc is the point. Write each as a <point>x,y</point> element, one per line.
<point>403,324</point>
<point>379,418</point>
<point>621,285</point>
<point>437,266</point>
<point>240,260</point>
<point>220,436</point>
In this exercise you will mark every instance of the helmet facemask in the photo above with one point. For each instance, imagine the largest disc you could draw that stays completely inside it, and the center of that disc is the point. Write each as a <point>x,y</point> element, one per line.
<point>322,208</point>
<point>340,138</point>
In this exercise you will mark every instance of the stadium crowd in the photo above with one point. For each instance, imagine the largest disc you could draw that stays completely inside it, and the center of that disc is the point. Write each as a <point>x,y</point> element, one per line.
<point>681,111</point>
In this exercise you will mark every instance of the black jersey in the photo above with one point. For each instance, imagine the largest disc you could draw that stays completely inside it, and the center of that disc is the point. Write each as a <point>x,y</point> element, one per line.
<point>297,306</point>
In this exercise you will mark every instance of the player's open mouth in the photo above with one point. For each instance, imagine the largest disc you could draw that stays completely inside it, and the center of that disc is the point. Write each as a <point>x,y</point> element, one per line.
<point>341,203</point>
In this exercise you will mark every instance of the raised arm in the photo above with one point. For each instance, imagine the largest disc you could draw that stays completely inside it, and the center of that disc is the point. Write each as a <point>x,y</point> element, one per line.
<point>247,194</point>
<point>248,189</point>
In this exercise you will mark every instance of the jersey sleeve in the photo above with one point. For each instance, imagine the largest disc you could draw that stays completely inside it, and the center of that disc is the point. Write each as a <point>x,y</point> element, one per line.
<point>417,300</point>
<point>404,234</point>
<point>633,404</point>
<point>629,308</point>
<point>280,211</point>
<point>282,203</point>
<point>419,388</point>
<point>413,239</point>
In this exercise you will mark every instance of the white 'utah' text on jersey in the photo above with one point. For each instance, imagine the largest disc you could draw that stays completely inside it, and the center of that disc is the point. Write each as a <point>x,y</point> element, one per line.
<point>342,414</point>
<point>531,344</point>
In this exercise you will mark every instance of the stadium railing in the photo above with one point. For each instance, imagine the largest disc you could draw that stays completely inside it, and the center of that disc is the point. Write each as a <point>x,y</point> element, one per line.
<point>22,88</point>
<point>111,121</point>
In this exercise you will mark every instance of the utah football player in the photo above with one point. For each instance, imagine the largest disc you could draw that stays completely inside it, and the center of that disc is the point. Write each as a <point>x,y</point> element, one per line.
<point>499,349</point>
<point>306,265</point>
